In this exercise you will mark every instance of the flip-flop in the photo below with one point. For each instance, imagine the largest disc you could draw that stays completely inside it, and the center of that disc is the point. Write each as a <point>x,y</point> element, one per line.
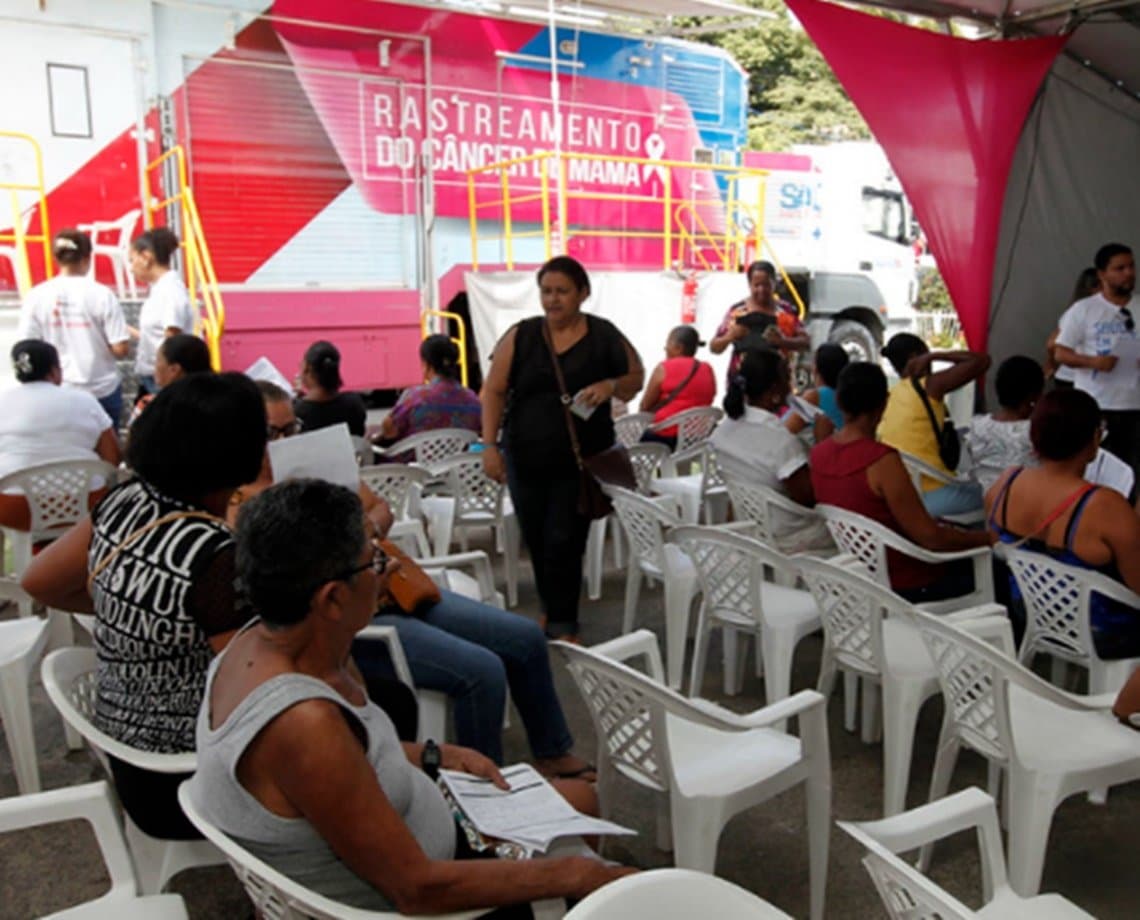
<point>580,773</point>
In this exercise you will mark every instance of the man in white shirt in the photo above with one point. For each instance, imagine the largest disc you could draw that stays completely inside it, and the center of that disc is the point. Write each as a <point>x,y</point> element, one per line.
<point>1098,339</point>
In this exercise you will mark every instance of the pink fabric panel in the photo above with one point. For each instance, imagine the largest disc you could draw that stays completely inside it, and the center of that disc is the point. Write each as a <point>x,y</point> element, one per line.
<point>948,112</point>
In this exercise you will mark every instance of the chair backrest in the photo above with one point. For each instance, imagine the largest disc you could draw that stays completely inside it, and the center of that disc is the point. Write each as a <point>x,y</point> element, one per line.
<point>646,460</point>
<point>57,493</point>
<point>852,607</point>
<point>628,709</point>
<point>1057,599</point>
<point>694,425</point>
<point>477,495</point>
<point>362,450</point>
<point>430,447</point>
<point>763,506</point>
<point>673,894</point>
<point>730,568</point>
<point>70,680</point>
<point>861,537</point>
<point>276,896</point>
<point>644,523</point>
<point>393,482</point>
<point>629,428</point>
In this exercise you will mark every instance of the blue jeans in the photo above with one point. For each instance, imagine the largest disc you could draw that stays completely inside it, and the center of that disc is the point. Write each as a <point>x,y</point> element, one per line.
<point>112,404</point>
<point>956,498</point>
<point>147,384</point>
<point>472,651</point>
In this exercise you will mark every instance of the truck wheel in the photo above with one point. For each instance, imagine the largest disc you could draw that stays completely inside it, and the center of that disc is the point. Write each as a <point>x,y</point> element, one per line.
<point>856,339</point>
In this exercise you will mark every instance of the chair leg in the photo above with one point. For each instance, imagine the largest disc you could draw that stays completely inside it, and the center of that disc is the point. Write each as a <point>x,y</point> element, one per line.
<point>510,532</point>
<point>872,723</point>
<point>618,543</point>
<point>850,699</point>
<point>900,712</point>
<point>679,593</point>
<point>1033,799</point>
<point>16,713</point>
<point>700,653</point>
<point>778,650</point>
<point>632,590</point>
<point>944,762</point>
<point>730,649</point>
<point>595,553</point>
<point>818,792</point>
<point>664,822</point>
<point>696,830</point>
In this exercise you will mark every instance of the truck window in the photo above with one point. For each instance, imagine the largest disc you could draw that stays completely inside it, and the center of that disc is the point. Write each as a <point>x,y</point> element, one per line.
<point>884,215</point>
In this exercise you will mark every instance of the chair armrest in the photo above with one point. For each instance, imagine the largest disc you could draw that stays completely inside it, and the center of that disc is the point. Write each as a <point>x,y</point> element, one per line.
<point>376,632</point>
<point>907,548</point>
<point>798,704</point>
<point>995,628</point>
<point>475,559</point>
<point>748,528</point>
<point>928,823</point>
<point>641,642</point>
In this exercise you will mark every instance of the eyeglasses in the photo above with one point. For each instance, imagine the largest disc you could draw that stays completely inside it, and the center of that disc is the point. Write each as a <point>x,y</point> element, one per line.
<point>275,432</point>
<point>378,563</point>
<point>1129,324</point>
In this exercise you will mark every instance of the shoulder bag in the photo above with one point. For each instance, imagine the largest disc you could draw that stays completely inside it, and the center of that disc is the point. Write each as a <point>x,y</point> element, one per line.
<point>611,466</point>
<point>410,587</point>
<point>946,436</point>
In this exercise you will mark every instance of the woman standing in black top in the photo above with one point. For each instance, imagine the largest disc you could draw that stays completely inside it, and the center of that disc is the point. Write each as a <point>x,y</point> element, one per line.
<point>323,404</point>
<point>536,458</point>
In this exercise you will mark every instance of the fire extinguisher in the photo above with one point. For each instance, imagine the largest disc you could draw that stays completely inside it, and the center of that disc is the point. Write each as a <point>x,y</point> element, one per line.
<point>689,299</point>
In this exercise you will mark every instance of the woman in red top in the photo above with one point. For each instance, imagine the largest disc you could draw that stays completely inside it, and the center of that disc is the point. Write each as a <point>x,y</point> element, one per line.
<point>853,471</point>
<point>678,383</point>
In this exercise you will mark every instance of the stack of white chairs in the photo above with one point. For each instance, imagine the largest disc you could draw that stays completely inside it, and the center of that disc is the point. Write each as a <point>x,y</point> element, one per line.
<point>737,596</point>
<point>907,894</point>
<point>1050,744</point>
<point>92,802</point>
<point>69,677</point>
<point>707,762</point>
<point>1058,600</point>
<point>470,498</point>
<point>868,541</point>
<point>869,637</point>
<point>115,250</point>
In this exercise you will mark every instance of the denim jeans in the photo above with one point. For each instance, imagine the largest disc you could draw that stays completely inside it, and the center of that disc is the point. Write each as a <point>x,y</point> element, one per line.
<point>957,498</point>
<point>472,651</point>
<point>112,404</point>
<point>555,533</point>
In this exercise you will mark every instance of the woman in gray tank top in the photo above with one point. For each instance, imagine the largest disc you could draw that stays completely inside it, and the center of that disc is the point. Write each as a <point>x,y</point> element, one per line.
<point>297,765</point>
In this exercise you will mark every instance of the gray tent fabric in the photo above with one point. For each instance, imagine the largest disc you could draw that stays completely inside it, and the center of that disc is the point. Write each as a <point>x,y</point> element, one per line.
<point>1074,185</point>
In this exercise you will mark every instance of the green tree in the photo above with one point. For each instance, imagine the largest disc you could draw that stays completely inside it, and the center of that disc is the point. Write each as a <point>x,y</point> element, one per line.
<point>793,93</point>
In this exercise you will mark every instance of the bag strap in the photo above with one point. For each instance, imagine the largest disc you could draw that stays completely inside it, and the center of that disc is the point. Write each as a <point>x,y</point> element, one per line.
<point>938,429</point>
<point>677,392</point>
<point>142,532</point>
<point>566,398</point>
<point>1056,513</point>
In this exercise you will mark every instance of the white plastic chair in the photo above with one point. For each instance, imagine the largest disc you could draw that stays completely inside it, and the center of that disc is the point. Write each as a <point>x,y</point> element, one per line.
<point>737,597</point>
<point>647,461</point>
<point>644,522</point>
<point>711,763</point>
<point>1057,623</point>
<point>69,676</point>
<point>693,426</point>
<point>92,803</point>
<point>398,484</point>
<point>701,495</point>
<point>275,896</point>
<point>629,428</point>
<point>22,641</point>
<point>117,250</point>
<point>445,571</point>
<point>11,253</point>
<point>673,894</point>
<point>868,541</point>
<point>473,499</point>
<point>57,495</point>
<point>918,469</point>
<point>909,895</point>
<point>868,637</point>
<point>430,447</point>
<point>1052,744</point>
<point>774,514</point>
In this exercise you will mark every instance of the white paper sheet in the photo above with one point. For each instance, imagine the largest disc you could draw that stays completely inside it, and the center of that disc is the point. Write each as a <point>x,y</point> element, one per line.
<point>323,454</point>
<point>264,369</point>
<point>1127,369</point>
<point>803,408</point>
<point>531,813</point>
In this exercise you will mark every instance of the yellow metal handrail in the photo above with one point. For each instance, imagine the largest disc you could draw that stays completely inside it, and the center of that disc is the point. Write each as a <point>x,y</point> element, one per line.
<point>553,225</point>
<point>460,340</point>
<point>200,275</point>
<point>19,237</point>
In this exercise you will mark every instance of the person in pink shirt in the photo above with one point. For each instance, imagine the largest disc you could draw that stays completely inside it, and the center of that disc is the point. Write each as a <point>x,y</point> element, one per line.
<point>678,383</point>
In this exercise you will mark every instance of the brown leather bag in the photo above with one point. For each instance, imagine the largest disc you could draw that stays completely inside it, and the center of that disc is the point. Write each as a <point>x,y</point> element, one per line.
<point>409,586</point>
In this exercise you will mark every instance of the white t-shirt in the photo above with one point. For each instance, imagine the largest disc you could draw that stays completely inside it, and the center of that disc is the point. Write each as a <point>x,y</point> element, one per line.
<point>758,449</point>
<point>167,305</point>
<point>43,423</point>
<point>1095,326</point>
<point>82,319</point>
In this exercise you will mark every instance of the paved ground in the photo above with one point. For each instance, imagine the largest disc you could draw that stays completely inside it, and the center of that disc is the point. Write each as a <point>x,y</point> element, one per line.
<point>1091,856</point>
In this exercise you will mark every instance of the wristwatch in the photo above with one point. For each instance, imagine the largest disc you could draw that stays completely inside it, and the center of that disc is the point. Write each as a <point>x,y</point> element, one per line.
<point>430,759</point>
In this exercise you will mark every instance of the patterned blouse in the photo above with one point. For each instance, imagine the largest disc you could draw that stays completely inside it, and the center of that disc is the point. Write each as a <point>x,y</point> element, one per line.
<point>442,403</point>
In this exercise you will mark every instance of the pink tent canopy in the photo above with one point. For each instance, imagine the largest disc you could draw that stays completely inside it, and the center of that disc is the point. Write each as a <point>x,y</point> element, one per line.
<point>948,112</point>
